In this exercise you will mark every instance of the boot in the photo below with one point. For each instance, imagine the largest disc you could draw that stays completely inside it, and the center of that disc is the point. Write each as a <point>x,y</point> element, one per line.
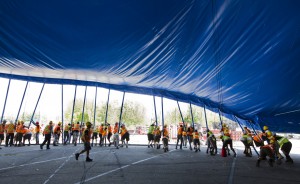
<point>88,159</point>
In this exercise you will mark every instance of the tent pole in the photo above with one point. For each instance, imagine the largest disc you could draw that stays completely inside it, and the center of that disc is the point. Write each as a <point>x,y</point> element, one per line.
<point>62,113</point>
<point>162,114</point>
<point>107,106</point>
<point>239,123</point>
<point>83,108</point>
<point>31,119</point>
<point>180,113</point>
<point>21,103</point>
<point>5,100</point>
<point>192,116</point>
<point>121,111</point>
<point>205,116</point>
<point>155,110</point>
<point>73,105</point>
<point>95,106</point>
<point>220,117</point>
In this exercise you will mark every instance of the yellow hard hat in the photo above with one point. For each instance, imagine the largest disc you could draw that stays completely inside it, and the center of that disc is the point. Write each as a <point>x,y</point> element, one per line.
<point>59,123</point>
<point>272,141</point>
<point>265,128</point>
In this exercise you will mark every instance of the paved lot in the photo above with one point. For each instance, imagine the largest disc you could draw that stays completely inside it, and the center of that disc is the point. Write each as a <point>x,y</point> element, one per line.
<point>137,164</point>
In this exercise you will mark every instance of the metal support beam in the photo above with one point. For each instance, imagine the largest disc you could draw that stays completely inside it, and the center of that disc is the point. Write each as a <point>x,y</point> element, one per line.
<point>31,119</point>
<point>21,102</point>
<point>73,105</point>
<point>205,116</point>
<point>83,108</point>
<point>162,114</point>
<point>62,113</point>
<point>155,110</point>
<point>95,106</point>
<point>5,100</point>
<point>121,111</point>
<point>220,117</point>
<point>107,106</point>
<point>180,113</point>
<point>193,123</point>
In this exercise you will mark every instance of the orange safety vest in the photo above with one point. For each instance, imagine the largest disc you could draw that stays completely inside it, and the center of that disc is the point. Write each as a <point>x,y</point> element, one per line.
<point>190,132</point>
<point>157,132</point>
<point>166,133</point>
<point>116,128</point>
<point>20,128</point>
<point>57,129</point>
<point>37,129</point>
<point>76,127</point>
<point>1,129</point>
<point>10,128</point>
<point>196,135</point>
<point>109,129</point>
<point>104,132</point>
<point>47,130</point>
<point>88,137</point>
<point>100,129</point>
<point>123,131</point>
<point>179,131</point>
<point>184,133</point>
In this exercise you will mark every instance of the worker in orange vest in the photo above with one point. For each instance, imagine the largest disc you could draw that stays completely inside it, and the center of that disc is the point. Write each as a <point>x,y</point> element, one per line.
<point>48,131</point>
<point>179,136</point>
<point>56,132</point>
<point>26,136</point>
<point>86,139</point>
<point>116,137</point>
<point>267,150</point>
<point>19,135</point>
<point>196,140</point>
<point>10,132</point>
<point>109,133</point>
<point>2,129</point>
<point>37,131</point>
<point>124,135</point>
<point>76,130</point>
<point>165,138</point>
<point>190,132</point>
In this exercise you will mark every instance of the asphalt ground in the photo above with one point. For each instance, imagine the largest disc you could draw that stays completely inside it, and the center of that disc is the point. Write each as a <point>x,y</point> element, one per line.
<point>138,164</point>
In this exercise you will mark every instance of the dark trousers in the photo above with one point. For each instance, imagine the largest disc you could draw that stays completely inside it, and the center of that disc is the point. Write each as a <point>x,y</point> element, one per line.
<point>9,137</point>
<point>47,139</point>
<point>179,137</point>
<point>66,137</point>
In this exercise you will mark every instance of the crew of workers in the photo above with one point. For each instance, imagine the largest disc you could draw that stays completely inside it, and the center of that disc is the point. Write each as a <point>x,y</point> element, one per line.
<point>17,134</point>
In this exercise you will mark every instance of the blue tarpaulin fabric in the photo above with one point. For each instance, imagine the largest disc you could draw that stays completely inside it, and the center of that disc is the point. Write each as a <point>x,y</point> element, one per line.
<point>242,57</point>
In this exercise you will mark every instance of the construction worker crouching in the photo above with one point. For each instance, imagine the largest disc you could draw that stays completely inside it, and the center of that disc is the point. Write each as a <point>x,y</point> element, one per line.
<point>211,143</point>
<point>86,138</point>
<point>285,146</point>
<point>267,150</point>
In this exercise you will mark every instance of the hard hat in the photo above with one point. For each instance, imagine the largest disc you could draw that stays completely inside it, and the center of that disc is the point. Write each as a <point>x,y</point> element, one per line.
<point>265,128</point>
<point>59,123</point>
<point>272,141</point>
<point>37,123</point>
<point>88,124</point>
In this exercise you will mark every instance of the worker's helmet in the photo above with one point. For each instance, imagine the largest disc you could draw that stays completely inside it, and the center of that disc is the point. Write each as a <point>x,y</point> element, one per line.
<point>272,141</point>
<point>59,123</point>
<point>37,123</point>
<point>265,128</point>
<point>88,124</point>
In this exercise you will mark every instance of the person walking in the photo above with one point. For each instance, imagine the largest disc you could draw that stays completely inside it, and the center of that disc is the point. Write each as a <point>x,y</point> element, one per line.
<point>86,138</point>
<point>179,136</point>
<point>48,131</point>
<point>37,131</point>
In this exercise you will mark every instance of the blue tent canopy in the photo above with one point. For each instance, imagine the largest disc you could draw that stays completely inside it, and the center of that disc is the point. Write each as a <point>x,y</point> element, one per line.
<point>242,57</point>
